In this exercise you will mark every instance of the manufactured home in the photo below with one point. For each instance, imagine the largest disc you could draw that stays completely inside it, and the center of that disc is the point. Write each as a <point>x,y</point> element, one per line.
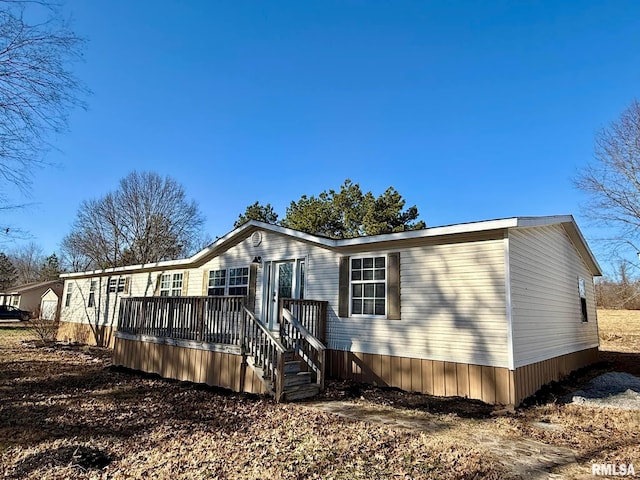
<point>490,310</point>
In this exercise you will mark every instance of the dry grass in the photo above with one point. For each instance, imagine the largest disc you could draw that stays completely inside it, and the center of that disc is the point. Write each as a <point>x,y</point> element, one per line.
<point>619,330</point>
<point>65,414</point>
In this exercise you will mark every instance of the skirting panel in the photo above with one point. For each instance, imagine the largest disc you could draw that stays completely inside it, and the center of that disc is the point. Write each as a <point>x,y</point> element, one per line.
<point>88,334</point>
<point>529,378</point>
<point>489,384</point>
<point>217,369</point>
<point>493,385</point>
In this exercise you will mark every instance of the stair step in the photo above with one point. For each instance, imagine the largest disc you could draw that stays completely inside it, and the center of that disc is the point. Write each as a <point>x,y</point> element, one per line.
<point>301,392</point>
<point>291,368</point>
<point>302,378</point>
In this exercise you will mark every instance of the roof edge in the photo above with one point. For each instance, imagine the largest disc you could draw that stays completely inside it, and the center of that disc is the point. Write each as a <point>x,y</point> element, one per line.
<point>251,225</point>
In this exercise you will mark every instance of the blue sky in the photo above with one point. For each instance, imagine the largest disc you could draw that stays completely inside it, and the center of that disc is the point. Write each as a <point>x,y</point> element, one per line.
<point>471,110</point>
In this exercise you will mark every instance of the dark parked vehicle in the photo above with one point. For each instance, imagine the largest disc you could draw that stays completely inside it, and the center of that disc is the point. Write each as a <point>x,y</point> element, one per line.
<point>7,312</point>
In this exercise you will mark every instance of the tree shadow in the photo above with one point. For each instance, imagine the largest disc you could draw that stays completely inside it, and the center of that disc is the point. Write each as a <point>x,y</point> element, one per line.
<point>80,457</point>
<point>44,401</point>
<point>397,398</point>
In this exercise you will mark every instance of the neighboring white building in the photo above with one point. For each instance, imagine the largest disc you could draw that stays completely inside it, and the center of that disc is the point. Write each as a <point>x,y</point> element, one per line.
<point>488,310</point>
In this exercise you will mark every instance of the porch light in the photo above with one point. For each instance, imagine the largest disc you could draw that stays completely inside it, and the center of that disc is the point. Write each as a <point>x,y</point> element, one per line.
<point>257,260</point>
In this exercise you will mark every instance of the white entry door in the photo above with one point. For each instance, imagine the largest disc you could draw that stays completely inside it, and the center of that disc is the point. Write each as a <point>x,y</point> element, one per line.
<point>286,280</point>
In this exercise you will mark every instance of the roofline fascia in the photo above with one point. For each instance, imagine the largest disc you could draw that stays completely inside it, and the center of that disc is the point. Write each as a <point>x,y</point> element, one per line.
<point>461,228</point>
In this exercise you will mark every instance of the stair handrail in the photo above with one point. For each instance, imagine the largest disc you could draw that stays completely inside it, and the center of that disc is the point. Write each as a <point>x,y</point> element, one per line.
<point>308,347</point>
<point>271,356</point>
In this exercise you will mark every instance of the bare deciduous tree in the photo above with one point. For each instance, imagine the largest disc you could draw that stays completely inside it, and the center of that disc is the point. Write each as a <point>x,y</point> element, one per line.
<point>147,219</point>
<point>28,260</point>
<point>612,181</point>
<point>37,87</point>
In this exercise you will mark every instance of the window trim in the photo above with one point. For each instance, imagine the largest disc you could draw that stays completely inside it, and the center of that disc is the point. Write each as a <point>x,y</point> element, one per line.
<point>582,293</point>
<point>117,284</point>
<point>67,299</point>
<point>226,281</point>
<point>171,289</point>
<point>91,301</point>
<point>372,281</point>
<point>394,286</point>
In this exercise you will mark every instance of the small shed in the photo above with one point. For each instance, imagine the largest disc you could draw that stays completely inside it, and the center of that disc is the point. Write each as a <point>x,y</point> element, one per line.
<point>50,304</point>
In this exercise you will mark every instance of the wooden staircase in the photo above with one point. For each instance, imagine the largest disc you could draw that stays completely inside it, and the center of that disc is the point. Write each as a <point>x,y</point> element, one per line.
<point>296,385</point>
<point>280,367</point>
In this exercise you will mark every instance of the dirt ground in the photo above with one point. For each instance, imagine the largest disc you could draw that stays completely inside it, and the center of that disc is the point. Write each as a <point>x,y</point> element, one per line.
<point>66,413</point>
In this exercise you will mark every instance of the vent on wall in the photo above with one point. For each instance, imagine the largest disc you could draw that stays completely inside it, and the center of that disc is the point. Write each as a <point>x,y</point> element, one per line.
<point>256,238</point>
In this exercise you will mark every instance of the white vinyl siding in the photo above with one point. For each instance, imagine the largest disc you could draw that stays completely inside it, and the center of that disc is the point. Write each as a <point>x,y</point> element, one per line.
<point>106,305</point>
<point>453,307</point>
<point>545,269</point>
<point>320,263</point>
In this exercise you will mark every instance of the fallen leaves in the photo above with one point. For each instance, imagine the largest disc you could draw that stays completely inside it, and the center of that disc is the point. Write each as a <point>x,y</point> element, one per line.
<point>57,401</point>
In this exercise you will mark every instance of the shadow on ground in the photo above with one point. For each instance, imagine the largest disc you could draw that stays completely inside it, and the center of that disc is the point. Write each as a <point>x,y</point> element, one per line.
<point>394,397</point>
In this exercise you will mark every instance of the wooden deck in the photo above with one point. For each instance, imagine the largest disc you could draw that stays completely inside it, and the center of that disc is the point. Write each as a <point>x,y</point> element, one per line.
<point>218,341</point>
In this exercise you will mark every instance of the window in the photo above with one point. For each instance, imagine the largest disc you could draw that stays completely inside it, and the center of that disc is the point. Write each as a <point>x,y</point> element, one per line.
<point>171,285</point>
<point>92,294</point>
<point>15,301</point>
<point>237,282</point>
<point>67,301</point>
<point>217,282</point>
<point>368,286</point>
<point>117,284</point>
<point>582,289</point>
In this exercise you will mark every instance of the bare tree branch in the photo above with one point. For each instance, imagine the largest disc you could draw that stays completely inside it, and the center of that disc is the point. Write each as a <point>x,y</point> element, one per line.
<point>147,219</point>
<point>612,181</point>
<point>37,86</point>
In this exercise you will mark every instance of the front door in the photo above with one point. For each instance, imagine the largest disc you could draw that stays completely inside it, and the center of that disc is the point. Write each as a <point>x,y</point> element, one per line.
<point>285,282</point>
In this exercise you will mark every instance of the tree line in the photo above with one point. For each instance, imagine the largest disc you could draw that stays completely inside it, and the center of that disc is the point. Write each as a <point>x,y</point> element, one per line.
<point>27,264</point>
<point>148,218</point>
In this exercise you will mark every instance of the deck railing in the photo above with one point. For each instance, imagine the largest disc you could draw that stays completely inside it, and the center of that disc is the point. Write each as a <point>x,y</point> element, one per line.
<point>266,351</point>
<point>295,336</point>
<point>227,321</point>
<point>311,314</point>
<point>206,319</point>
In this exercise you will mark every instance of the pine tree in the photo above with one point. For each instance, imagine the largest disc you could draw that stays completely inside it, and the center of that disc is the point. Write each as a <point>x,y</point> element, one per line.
<point>8,273</point>
<point>350,213</point>
<point>50,269</point>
